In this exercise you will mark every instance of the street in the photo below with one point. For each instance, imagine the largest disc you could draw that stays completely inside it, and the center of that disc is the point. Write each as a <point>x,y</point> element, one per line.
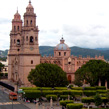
<point>6,103</point>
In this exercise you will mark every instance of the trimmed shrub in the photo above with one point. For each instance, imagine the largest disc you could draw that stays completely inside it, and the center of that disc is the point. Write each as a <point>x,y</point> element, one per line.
<point>65,102</point>
<point>87,100</point>
<point>30,88</point>
<point>104,100</point>
<point>60,88</point>
<point>32,94</point>
<point>76,92</point>
<point>89,88</point>
<point>77,88</point>
<point>58,92</point>
<point>64,97</point>
<point>66,92</point>
<point>46,88</point>
<point>47,92</point>
<point>102,91</point>
<point>74,106</point>
<point>54,97</point>
<point>89,92</point>
<point>100,87</point>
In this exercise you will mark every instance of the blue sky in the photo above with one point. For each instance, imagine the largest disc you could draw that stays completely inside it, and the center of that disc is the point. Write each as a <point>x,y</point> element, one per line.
<point>83,23</point>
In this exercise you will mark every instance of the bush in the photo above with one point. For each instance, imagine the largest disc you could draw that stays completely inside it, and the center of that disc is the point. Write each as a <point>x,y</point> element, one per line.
<point>104,100</point>
<point>76,92</point>
<point>77,88</point>
<point>65,102</point>
<point>60,88</point>
<point>64,97</point>
<point>30,88</point>
<point>74,106</point>
<point>89,88</point>
<point>58,92</point>
<point>47,92</point>
<point>54,97</point>
<point>102,91</point>
<point>87,100</point>
<point>100,87</point>
<point>89,92</point>
<point>45,88</point>
<point>66,92</point>
<point>32,94</point>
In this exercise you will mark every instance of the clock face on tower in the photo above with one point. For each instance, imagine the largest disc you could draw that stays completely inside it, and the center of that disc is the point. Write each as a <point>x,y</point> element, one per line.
<point>31,48</point>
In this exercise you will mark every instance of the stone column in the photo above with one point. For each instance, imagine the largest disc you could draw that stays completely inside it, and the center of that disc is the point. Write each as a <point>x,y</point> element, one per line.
<point>106,84</point>
<point>99,84</point>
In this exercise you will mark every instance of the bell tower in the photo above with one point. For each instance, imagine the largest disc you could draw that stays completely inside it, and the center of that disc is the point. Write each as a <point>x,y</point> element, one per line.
<point>24,48</point>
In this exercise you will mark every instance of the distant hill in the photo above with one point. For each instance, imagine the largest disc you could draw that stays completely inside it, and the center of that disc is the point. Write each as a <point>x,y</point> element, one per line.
<point>76,51</point>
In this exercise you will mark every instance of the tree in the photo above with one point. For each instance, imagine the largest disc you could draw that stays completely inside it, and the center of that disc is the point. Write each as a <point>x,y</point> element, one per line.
<point>1,67</point>
<point>97,99</point>
<point>92,71</point>
<point>48,75</point>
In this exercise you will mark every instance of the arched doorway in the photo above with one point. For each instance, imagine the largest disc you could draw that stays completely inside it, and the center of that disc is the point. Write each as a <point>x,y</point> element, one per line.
<point>69,78</point>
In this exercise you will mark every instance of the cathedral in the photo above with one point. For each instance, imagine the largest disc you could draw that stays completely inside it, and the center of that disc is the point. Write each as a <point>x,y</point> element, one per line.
<point>24,52</point>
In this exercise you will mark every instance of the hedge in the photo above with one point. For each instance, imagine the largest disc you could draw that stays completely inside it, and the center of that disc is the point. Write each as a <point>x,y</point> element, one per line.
<point>87,100</point>
<point>74,106</point>
<point>54,97</point>
<point>65,102</point>
<point>77,88</point>
<point>60,88</point>
<point>46,88</point>
<point>89,92</point>
<point>89,88</point>
<point>47,92</point>
<point>57,92</point>
<point>101,91</point>
<point>104,100</point>
<point>30,88</point>
<point>76,92</point>
<point>64,97</point>
<point>101,87</point>
<point>33,94</point>
<point>66,92</point>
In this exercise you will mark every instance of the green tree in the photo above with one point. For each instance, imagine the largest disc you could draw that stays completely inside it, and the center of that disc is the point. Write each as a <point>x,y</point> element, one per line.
<point>1,67</point>
<point>48,75</point>
<point>92,71</point>
<point>97,99</point>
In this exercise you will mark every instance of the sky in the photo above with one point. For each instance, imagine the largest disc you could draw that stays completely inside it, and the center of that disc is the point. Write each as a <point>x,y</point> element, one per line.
<point>82,23</point>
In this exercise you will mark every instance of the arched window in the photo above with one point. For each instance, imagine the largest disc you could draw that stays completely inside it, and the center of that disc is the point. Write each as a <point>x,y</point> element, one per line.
<point>64,53</point>
<point>27,23</point>
<point>26,38</point>
<point>18,42</point>
<point>31,22</point>
<point>36,38</point>
<point>31,39</point>
<point>18,28</point>
<point>69,78</point>
<point>59,53</point>
<point>31,61</point>
<point>14,28</point>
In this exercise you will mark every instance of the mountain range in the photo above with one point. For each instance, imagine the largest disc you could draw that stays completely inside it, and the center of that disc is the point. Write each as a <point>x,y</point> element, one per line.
<point>76,51</point>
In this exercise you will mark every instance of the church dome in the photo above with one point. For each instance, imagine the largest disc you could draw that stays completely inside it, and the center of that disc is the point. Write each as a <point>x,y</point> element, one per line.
<point>29,5</point>
<point>62,45</point>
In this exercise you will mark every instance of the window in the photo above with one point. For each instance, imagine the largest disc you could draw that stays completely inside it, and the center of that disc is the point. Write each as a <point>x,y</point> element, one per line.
<point>64,53</point>
<point>36,38</point>
<point>27,23</point>
<point>31,22</point>
<point>18,42</point>
<point>14,28</point>
<point>31,61</point>
<point>18,28</point>
<point>31,39</point>
<point>69,62</point>
<point>26,38</point>
<point>59,53</point>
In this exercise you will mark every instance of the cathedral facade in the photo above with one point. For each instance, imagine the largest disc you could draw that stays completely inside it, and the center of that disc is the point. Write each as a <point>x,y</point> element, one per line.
<point>24,50</point>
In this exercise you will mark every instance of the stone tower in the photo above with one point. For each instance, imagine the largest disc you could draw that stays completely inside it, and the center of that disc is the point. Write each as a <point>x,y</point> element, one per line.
<point>24,49</point>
